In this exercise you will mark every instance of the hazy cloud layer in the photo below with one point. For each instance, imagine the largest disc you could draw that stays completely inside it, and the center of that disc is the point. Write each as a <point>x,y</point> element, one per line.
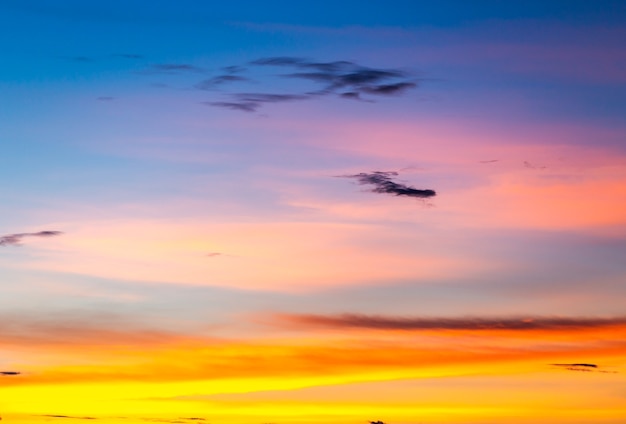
<point>15,239</point>
<point>383,183</point>
<point>376,322</point>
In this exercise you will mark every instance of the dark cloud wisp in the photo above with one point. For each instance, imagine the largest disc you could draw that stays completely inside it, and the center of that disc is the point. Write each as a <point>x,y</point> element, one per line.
<point>583,367</point>
<point>214,82</point>
<point>269,98</point>
<point>250,102</point>
<point>241,106</point>
<point>344,75</point>
<point>342,78</point>
<point>10,373</point>
<point>15,239</point>
<point>382,182</point>
<point>171,68</point>
<point>418,323</point>
<point>576,365</point>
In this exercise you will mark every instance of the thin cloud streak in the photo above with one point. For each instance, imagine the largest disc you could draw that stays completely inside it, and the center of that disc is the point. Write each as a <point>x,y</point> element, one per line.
<point>382,182</point>
<point>171,68</point>
<point>241,106</point>
<point>15,239</point>
<point>575,365</point>
<point>375,322</point>
<point>212,83</point>
<point>583,367</point>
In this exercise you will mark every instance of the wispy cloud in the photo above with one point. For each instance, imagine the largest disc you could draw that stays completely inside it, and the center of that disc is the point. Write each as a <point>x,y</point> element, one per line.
<point>172,68</point>
<point>343,75</point>
<point>576,365</point>
<point>376,322</point>
<point>10,373</point>
<point>233,69</point>
<point>57,331</point>
<point>242,106</point>
<point>583,367</point>
<point>343,78</point>
<point>15,239</point>
<point>250,102</point>
<point>532,166</point>
<point>382,182</point>
<point>212,83</point>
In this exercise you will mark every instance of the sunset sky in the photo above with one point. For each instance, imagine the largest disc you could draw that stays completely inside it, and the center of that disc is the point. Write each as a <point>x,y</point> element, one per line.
<point>313,212</point>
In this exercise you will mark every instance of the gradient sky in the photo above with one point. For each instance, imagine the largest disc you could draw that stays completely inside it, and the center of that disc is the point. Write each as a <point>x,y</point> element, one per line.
<point>313,212</point>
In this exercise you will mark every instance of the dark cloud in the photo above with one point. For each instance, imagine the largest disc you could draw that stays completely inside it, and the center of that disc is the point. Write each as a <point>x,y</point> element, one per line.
<point>383,183</point>
<point>250,102</point>
<point>365,76</point>
<point>15,239</point>
<point>313,76</point>
<point>344,75</point>
<point>575,365</point>
<point>211,83</point>
<point>242,106</point>
<point>418,323</point>
<point>489,161</point>
<point>105,98</point>
<point>269,98</point>
<point>330,67</point>
<point>234,69</point>
<point>389,89</point>
<point>346,79</point>
<point>583,367</point>
<point>10,373</point>
<point>362,80</point>
<point>351,95</point>
<point>279,61</point>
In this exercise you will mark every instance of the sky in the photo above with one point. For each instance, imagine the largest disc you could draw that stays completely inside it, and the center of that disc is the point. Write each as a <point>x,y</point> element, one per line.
<point>313,212</point>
